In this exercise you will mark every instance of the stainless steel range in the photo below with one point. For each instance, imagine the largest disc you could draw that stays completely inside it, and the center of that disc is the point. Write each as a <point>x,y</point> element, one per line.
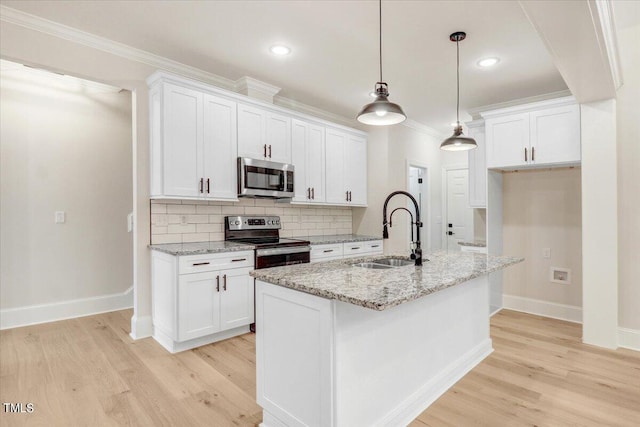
<point>263,232</point>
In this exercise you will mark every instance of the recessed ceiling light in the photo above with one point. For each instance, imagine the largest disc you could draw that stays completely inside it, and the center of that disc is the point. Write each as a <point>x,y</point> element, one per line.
<point>280,50</point>
<point>488,62</point>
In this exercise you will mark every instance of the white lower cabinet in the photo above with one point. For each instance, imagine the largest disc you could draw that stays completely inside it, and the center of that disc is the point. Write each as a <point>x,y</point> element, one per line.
<point>200,299</point>
<point>332,251</point>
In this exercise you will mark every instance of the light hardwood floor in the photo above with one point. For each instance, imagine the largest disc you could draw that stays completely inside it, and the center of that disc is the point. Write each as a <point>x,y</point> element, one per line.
<point>89,372</point>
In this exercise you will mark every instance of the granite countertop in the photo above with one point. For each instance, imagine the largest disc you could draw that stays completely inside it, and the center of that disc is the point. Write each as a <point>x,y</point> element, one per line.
<point>339,238</point>
<point>198,248</point>
<point>384,288</point>
<point>475,243</point>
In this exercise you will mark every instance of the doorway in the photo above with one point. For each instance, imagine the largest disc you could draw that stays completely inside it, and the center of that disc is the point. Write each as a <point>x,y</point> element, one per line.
<point>418,187</point>
<point>457,215</point>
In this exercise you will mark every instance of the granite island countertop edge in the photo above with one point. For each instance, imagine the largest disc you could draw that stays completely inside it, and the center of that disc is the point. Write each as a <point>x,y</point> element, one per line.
<point>403,286</point>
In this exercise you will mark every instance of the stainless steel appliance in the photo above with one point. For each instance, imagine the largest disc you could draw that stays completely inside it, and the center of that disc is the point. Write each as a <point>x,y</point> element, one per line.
<point>263,232</point>
<point>262,178</point>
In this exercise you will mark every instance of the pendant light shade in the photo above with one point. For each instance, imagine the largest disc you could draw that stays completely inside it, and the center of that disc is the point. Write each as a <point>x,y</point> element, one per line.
<point>457,141</point>
<point>381,112</point>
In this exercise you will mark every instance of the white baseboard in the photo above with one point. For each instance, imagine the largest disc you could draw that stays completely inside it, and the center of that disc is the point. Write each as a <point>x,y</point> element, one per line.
<point>629,338</point>
<point>436,387</point>
<point>570,313</point>
<point>43,313</point>
<point>141,327</point>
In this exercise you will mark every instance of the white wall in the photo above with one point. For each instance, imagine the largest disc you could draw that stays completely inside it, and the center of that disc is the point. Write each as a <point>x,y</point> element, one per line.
<point>63,149</point>
<point>542,209</point>
<point>628,145</point>
<point>390,151</point>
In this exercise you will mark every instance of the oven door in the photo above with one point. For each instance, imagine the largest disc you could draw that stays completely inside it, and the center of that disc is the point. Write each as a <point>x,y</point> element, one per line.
<point>261,178</point>
<point>276,257</point>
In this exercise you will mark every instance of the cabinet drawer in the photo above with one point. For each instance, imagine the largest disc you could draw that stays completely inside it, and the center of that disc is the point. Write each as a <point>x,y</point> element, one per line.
<point>211,262</point>
<point>355,249</point>
<point>326,252</point>
<point>374,247</point>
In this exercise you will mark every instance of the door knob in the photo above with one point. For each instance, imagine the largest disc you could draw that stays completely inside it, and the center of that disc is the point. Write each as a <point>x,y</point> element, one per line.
<point>450,233</point>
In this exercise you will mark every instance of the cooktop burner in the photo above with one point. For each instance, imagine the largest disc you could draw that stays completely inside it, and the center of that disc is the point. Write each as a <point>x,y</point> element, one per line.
<point>260,231</point>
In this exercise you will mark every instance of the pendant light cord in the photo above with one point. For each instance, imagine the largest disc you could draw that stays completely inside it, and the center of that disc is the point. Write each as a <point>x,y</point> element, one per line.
<point>458,81</point>
<point>380,32</point>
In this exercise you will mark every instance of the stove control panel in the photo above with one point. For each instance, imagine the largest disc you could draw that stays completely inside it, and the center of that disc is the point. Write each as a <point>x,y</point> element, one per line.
<point>243,222</point>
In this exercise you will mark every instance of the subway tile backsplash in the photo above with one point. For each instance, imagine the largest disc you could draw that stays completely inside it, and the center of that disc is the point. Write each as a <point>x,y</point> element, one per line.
<point>182,221</point>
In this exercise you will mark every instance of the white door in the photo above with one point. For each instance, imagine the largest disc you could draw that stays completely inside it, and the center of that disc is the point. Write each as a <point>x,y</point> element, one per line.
<point>299,138</point>
<point>315,162</point>
<point>251,132</point>
<point>507,140</point>
<point>418,189</point>
<point>219,148</point>
<point>335,191</point>
<point>459,218</point>
<point>278,137</point>
<point>182,141</point>
<point>356,170</point>
<point>198,305</point>
<point>555,135</point>
<point>236,304</point>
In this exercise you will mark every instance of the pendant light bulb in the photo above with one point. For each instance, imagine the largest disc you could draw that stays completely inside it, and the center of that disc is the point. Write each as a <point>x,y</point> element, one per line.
<point>457,141</point>
<point>381,112</point>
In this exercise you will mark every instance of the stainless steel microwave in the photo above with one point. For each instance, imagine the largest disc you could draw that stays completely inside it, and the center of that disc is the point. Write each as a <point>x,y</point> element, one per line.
<point>262,178</point>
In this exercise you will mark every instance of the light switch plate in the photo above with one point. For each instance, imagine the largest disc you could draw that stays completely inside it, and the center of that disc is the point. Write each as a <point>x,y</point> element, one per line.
<point>60,217</point>
<point>546,252</point>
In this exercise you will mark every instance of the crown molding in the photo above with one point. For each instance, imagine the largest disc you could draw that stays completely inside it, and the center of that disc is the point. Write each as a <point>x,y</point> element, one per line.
<point>412,124</point>
<point>256,89</point>
<point>604,10</point>
<point>475,112</point>
<point>316,112</point>
<point>65,32</point>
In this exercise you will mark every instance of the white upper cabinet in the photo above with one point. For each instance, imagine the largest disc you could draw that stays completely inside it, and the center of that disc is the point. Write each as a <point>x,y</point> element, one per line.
<point>534,135</point>
<point>199,131</point>
<point>346,168</point>
<point>193,144</point>
<point>263,134</point>
<point>477,166</point>
<point>308,157</point>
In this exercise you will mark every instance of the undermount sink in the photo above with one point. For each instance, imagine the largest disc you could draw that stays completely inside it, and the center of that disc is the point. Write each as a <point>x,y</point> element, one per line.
<point>393,262</point>
<point>372,265</point>
<point>384,263</point>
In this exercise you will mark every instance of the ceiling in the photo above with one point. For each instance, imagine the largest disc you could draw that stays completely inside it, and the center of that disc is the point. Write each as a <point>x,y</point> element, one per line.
<point>334,59</point>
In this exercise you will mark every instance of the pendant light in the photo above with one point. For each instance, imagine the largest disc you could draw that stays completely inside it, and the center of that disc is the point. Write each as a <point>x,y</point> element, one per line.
<point>457,141</point>
<point>381,112</point>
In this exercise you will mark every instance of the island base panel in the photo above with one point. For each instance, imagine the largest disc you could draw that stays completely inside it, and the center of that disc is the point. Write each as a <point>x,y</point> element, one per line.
<point>329,363</point>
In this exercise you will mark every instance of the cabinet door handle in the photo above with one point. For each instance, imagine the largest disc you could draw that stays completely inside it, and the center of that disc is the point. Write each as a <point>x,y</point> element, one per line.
<point>525,154</point>
<point>347,196</point>
<point>265,150</point>
<point>327,250</point>
<point>269,150</point>
<point>375,246</point>
<point>224,286</point>
<point>238,259</point>
<point>355,248</point>
<point>208,185</point>
<point>217,283</point>
<point>313,193</point>
<point>200,263</point>
<point>533,154</point>
<point>201,185</point>
<point>308,193</point>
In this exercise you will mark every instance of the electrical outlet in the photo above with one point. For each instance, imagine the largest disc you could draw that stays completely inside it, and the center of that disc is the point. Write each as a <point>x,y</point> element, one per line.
<point>60,217</point>
<point>546,252</point>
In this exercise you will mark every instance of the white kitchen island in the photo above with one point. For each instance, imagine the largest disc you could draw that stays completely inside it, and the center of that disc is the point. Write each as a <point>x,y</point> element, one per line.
<point>339,345</point>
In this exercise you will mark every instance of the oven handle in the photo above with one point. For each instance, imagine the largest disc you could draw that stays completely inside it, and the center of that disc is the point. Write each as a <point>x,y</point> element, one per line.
<point>283,251</point>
